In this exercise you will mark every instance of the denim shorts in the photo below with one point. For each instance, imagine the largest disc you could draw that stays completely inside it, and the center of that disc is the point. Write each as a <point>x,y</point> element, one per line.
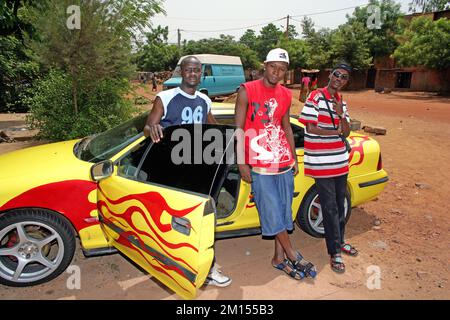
<point>273,197</point>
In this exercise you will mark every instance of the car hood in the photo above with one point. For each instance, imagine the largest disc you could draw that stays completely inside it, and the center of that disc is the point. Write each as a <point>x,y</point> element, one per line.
<point>32,167</point>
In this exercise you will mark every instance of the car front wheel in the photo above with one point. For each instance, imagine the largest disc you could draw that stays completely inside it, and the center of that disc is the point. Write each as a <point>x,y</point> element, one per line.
<point>309,216</point>
<point>35,246</point>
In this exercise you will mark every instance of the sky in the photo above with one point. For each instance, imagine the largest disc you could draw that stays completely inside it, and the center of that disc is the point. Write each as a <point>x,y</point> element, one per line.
<point>200,19</point>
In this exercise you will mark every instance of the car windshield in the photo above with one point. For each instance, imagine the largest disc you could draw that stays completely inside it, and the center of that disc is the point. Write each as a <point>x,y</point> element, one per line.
<point>104,145</point>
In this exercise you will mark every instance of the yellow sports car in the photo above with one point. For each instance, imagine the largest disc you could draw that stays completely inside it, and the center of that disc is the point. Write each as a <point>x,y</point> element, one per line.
<point>118,191</point>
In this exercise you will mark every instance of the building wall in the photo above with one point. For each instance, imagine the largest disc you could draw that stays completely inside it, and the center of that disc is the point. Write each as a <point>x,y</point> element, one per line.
<point>357,81</point>
<point>430,80</point>
<point>421,79</point>
<point>385,79</point>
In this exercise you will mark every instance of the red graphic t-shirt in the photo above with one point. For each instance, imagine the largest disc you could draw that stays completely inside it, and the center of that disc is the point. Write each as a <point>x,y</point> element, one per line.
<point>266,146</point>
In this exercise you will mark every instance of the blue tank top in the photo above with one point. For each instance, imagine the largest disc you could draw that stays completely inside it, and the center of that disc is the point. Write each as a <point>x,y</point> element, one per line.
<point>183,108</point>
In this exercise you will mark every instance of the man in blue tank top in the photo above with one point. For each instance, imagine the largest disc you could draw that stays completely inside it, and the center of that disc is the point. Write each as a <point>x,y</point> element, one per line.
<point>184,105</point>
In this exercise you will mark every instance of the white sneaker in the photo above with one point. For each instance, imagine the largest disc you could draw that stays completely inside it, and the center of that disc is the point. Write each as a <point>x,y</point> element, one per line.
<point>216,278</point>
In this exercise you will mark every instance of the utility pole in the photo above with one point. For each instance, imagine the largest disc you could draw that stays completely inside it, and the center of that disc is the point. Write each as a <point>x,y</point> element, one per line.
<point>287,27</point>
<point>179,38</point>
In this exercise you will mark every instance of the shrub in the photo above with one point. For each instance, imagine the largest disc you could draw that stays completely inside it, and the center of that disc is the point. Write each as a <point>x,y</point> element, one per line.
<point>100,107</point>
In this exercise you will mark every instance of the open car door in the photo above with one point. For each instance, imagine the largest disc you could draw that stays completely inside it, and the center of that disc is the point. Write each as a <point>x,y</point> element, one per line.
<point>158,207</point>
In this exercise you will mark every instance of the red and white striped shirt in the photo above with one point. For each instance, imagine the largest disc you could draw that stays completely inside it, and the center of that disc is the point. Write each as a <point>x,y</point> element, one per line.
<point>325,156</point>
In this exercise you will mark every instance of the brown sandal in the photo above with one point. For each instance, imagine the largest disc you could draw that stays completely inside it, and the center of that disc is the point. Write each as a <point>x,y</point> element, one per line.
<point>337,264</point>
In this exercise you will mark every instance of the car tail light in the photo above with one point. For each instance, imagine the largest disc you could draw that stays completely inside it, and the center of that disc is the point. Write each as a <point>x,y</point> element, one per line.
<point>380,163</point>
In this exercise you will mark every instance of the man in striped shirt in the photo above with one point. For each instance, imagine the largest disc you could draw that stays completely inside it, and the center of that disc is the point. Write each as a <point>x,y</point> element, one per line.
<point>327,121</point>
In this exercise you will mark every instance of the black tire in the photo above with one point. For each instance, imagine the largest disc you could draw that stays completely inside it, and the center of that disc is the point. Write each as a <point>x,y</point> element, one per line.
<point>39,226</point>
<point>305,223</point>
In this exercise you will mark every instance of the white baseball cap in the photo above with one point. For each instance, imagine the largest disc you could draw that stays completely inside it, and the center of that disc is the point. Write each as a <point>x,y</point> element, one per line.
<point>277,54</point>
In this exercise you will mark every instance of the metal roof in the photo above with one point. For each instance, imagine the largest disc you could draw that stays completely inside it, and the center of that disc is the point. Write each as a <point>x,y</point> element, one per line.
<point>215,59</point>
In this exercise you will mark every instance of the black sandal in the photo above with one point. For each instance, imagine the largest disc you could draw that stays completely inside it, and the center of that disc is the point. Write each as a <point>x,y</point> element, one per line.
<point>304,266</point>
<point>337,264</point>
<point>289,269</point>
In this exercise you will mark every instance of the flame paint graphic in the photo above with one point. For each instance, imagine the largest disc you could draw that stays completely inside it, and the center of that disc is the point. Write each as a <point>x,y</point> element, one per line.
<point>69,198</point>
<point>251,197</point>
<point>124,241</point>
<point>154,204</point>
<point>357,146</point>
<point>127,216</point>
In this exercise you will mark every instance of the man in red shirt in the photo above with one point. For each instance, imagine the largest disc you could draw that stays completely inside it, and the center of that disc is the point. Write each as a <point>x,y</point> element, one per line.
<point>326,159</point>
<point>267,159</point>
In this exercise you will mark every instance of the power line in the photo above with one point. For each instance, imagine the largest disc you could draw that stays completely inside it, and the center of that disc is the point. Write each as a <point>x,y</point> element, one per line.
<point>234,29</point>
<point>216,19</point>
<point>196,32</point>
<point>330,11</point>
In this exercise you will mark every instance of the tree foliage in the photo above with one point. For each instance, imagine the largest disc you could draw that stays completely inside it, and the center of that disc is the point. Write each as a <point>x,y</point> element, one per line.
<point>350,43</point>
<point>318,45</point>
<point>154,53</point>
<point>95,60</point>
<point>13,20</point>
<point>225,45</point>
<point>425,42</point>
<point>17,72</point>
<point>381,34</point>
<point>428,5</point>
<point>50,104</point>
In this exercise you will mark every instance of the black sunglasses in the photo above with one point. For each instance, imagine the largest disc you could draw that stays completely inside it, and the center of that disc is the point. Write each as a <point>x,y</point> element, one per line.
<point>341,75</point>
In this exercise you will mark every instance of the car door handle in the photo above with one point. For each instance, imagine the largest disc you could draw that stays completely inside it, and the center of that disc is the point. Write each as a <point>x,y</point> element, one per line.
<point>182,225</point>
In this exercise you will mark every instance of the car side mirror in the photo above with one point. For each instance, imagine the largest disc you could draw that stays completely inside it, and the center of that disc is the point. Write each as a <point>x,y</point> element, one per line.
<point>102,170</point>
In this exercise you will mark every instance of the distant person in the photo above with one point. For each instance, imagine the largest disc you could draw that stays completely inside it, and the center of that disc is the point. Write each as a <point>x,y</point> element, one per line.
<point>170,108</point>
<point>304,91</point>
<point>326,119</point>
<point>154,83</point>
<point>267,158</point>
<point>314,82</point>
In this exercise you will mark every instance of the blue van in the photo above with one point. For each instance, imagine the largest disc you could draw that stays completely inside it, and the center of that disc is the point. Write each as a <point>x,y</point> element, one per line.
<point>221,75</point>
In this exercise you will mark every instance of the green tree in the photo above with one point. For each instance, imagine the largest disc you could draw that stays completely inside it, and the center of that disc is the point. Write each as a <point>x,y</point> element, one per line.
<point>225,45</point>
<point>268,39</point>
<point>308,30</point>
<point>250,39</point>
<point>425,43</point>
<point>102,107</point>
<point>13,20</point>
<point>17,72</point>
<point>95,58</point>
<point>297,50</point>
<point>318,45</point>
<point>155,54</point>
<point>350,43</point>
<point>428,5</point>
<point>381,34</point>
<point>292,32</point>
